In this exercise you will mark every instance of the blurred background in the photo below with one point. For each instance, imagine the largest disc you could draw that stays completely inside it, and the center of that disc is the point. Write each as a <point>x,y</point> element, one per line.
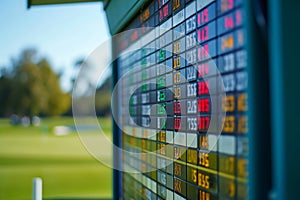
<point>41,52</point>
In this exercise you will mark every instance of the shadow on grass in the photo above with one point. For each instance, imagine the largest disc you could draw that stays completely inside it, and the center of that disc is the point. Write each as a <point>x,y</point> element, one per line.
<point>71,198</point>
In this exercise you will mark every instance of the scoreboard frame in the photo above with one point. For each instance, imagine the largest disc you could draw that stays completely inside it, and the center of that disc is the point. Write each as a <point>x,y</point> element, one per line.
<point>259,125</point>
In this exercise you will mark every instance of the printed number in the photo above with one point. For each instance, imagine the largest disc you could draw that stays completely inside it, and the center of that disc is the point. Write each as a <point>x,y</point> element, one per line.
<point>176,47</point>
<point>229,22</point>
<point>203,52</point>
<point>176,62</point>
<point>203,181</point>
<point>192,156</point>
<point>228,62</point>
<point>228,103</point>
<point>177,108</point>
<point>204,195</point>
<point>203,34</point>
<point>177,186</point>
<point>192,124</point>
<point>203,142</point>
<point>242,81</point>
<point>177,123</point>
<point>243,124</point>
<point>229,83</point>
<point>226,5</point>
<point>203,159</point>
<point>162,149</point>
<point>176,4</point>
<point>229,124</point>
<point>191,89</point>
<point>203,123</point>
<point>203,17</point>
<point>164,12</point>
<point>176,77</point>
<point>242,167</point>
<point>145,15</point>
<point>203,69</point>
<point>191,24</point>
<point>227,43</point>
<point>203,88</point>
<point>191,106</point>
<point>191,40</point>
<point>190,73</point>
<point>194,175</point>
<point>177,93</point>
<point>177,153</point>
<point>162,137</point>
<point>161,96</point>
<point>203,105</point>
<point>242,102</point>
<point>177,169</point>
<point>191,56</point>
<point>241,59</point>
<point>161,109</point>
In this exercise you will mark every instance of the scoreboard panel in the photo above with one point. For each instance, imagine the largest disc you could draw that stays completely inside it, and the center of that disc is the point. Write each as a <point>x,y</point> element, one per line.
<point>165,88</point>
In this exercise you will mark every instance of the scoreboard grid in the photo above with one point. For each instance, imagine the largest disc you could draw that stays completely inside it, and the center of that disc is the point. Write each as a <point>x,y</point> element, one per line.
<point>176,133</point>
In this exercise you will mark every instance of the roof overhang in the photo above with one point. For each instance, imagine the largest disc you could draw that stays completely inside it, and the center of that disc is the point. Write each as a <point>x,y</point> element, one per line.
<point>118,12</point>
<point>31,3</point>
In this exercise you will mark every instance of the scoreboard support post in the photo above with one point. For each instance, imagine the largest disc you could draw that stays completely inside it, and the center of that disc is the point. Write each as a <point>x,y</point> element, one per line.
<point>259,111</point>
<point>284,43</point>
<point>116,142</point>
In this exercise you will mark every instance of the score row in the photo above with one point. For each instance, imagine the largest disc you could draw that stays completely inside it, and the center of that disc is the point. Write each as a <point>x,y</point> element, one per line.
<point>176,148</point>
<point>230,103</point>
<point>231,123</point>
<point>207,10</point>
<point>141,186</point>
<point>225,64</point>
<point>209,49</point>
<point>164,90</point>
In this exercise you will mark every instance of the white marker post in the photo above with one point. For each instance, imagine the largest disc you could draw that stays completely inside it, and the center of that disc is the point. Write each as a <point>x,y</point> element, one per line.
<point>37,189</point>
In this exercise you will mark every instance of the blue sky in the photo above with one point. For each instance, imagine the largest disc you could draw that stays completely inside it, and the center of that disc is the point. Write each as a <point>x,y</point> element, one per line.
<point>62,33</point>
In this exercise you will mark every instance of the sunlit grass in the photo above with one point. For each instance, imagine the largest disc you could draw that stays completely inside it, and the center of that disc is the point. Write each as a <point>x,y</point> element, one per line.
<point>62,162</point>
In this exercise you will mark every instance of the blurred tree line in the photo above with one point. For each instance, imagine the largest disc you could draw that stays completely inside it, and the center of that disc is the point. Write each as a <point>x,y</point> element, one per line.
<point>30,87</point>
<point>103,98</point>
<point>102,95</point>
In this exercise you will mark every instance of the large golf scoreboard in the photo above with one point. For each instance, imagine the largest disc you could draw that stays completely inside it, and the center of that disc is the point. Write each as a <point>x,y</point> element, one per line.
<point>168,85</point>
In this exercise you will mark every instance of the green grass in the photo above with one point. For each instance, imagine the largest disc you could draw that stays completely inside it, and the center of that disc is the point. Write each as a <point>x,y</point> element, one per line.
<point>67,169</point>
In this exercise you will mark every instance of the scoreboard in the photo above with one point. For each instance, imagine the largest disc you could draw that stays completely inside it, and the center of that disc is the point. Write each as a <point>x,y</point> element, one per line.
<point>169,58</point>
